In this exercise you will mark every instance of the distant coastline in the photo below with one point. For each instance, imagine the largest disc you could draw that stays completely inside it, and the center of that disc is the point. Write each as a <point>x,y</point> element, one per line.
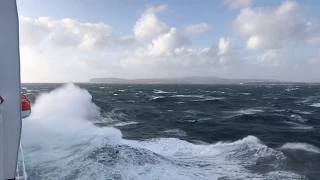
<point>190,80</point>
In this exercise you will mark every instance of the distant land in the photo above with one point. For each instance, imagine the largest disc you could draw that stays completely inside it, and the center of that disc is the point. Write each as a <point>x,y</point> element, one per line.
<point>187,80</point>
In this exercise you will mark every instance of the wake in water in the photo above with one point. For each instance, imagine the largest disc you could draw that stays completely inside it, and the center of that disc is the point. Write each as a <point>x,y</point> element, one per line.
<point>62,142</point>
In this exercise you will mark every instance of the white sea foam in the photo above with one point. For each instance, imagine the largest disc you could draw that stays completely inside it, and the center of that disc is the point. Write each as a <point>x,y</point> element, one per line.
<point>283,175</point>
<point>219,92</point>
<point>180,102</point>
<point>302,112</point>
<point>307,100</point>
<point>200,97</point>
<point>59,131</point>
<point>315,105</point>
<point>279,110</point>
<point>299,126</point>
<point>301,146</point>
<point>221,159</point>
<point>292,89</point>
<point>124,123</point>
<point>188,96</point>
<point>247,94</point>
<point>249,111</point>
<point>157,91</point>
<point>32,90</point>
<point>209,99</point>
<point>157,97</point>
<point>176,132</point>
<point>298,118</point>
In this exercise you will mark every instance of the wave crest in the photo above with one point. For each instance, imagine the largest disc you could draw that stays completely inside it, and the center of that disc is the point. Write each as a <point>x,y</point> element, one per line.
<point>301,146</point>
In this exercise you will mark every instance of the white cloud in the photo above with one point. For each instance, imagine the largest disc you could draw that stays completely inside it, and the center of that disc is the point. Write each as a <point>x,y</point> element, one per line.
<point>165,44</point>
<point>157,9</point>
<point>266,28</point>
<point>69,33</point>
<point>278,33</point>
<point>224,46</point>
<point>272,58</point>
<point>149,26</point>
<point>314,41</point>
<point>277,40</point>
<point>197,28</point>
<point>238,4</point>
<point>171,50</point>
<point>33,31</point>
<point>34,66</point>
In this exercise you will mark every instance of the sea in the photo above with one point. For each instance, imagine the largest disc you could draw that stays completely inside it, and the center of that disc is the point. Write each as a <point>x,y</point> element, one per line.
<point>172,132</point>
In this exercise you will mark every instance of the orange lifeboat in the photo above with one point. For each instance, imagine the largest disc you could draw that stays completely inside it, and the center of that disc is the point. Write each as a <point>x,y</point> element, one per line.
<point>25,107</point>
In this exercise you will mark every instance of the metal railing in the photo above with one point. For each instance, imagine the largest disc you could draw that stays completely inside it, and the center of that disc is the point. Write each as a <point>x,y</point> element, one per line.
<point>21,172</point>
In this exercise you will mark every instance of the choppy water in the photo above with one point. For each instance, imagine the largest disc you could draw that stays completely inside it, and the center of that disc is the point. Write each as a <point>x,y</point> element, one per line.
<point>172,132</point>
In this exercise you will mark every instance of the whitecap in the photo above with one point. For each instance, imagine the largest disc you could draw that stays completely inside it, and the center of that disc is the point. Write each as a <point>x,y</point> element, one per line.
<point>124,123</point>
<point>247,94</point>
<point>188,96</point>
<point>249,111</point>
<point>301,146</point>
<point>302,112</point>
<point>225,160</point>
<point>291,89</point>
<point>180,102</point>
<point>176,132</point>
<point>157,97</point>
<point>315,105</point>
<point>209,99</point>
<point>279,110</point>
<point>32,90</point>
<point>286,175</point>
<point>161,92</point>
<point>299,126</point>
<point>298,118</point>
<point>188,120</point>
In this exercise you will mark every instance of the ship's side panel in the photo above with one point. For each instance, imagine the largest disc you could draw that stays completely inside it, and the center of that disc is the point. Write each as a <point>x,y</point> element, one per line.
<point>10,88</point>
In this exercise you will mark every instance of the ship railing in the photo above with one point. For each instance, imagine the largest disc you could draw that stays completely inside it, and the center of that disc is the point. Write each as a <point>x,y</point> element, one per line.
<point>21,172</point>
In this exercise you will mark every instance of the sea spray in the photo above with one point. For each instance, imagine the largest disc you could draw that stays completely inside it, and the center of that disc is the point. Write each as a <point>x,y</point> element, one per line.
<point>59,130</point>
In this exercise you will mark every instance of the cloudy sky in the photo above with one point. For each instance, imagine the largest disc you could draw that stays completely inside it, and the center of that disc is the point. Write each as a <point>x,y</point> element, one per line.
<point>75,40</point>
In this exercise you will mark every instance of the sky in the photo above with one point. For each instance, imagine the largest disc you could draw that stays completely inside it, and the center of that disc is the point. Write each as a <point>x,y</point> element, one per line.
<point>76,40</point>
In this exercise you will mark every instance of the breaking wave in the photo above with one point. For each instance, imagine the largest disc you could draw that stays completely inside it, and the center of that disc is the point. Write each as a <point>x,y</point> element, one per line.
<point>298,118</point>
<point>188,96</point>
<point>176,132</point>
<point>315,105</point>
<point>298,126</point>
<point>62,142</point>
<point>301,146</point>
<point>292,89</point>
<point>247,94</point>
<point>59,133</point>
<point>209,99</point>
<point>249,111</point>
<point>157,91</point>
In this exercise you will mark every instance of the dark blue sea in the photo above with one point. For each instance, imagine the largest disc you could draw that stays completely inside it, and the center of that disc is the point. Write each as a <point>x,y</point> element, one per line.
<point>172,132</point>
